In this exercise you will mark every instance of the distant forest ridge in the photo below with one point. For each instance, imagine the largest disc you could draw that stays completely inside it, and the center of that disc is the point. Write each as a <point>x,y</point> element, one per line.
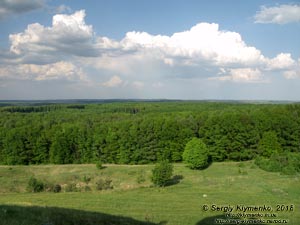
<point>93,101</point>
<point>138,131</point>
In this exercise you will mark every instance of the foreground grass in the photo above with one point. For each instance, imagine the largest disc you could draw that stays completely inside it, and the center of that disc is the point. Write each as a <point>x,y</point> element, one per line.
<point>134,201</point>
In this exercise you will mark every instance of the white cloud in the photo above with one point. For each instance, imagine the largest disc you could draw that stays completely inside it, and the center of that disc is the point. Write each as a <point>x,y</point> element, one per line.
<point>294,73</point>
<point>281,61</point>
<point>63,9</point>
<point>199,52</point>
<point>169,61</point>
<point>203,42</point>
<point>242,75</point>
<point>69,35</point>
<point>281,14</point>
<point>291,74</point>
<point>115,81</point>
<point>14,7</point>
<point>56,71</point>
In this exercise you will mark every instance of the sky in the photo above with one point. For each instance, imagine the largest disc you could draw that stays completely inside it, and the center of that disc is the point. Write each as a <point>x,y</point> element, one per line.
<point>140,49</point>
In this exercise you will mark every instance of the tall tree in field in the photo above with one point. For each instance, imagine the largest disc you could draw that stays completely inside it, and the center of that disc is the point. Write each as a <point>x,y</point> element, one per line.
<point>196,154</point>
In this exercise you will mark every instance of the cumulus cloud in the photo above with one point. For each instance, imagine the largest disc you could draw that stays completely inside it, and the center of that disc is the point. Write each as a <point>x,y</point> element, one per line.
<point>203,42</point>
<point>68,36</point>
<point>56,71</point>
<point>294,73</point>
<point>281,61</point>
<point>242,75</point>
<point>198,52</point>
<point>13,7</point>
<point>115,81</point>
<point>202,48</point>
<point>281,14</point>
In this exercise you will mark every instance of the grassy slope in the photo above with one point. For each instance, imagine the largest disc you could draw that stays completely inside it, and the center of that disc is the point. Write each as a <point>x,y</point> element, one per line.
<point>222,183</point>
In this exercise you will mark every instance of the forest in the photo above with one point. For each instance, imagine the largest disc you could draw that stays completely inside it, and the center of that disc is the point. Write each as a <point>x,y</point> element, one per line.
<point>141,132</point>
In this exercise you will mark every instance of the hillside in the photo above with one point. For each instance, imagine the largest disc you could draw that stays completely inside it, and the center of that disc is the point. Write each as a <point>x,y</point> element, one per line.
<point>134,201</point>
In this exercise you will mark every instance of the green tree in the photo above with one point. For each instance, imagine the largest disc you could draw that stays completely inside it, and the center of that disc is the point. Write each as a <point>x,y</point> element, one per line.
<point>196,154</point>
<point>59,150</point>
<point>162,173</point>
<point>41,150</point>
<point>269,144</point>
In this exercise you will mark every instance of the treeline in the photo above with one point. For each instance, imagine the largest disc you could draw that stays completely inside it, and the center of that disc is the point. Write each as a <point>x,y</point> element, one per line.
<point>144,132</point>
<point>30,109</point>
<point>42,108</point>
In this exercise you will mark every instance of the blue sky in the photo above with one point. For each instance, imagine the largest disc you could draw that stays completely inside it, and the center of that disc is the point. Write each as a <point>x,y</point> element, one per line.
<point>150,49</point>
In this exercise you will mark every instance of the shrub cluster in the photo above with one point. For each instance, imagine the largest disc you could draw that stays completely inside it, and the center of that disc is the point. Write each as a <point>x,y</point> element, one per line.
<point>71,187</point>
<point>286,163</point>
<point>104,184</point>
<point>35,185</point>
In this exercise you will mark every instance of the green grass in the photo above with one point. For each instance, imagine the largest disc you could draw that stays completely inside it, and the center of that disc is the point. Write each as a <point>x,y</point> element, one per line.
<point>133,202</point>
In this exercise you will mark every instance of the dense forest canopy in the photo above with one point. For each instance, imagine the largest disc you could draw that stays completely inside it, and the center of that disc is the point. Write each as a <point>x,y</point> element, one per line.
<point>143,132</point>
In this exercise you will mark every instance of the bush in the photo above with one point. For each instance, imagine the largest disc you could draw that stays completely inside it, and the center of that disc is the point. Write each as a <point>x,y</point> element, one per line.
<point>289,170</point>
<point>35,185</point>
<point>71,188</point>
<point>57,188</point>
<point>104,184</point>
<point>86,179</point>
<point>87,188</point>
<point>270,165</point>
<point>294,160</point>
<point>162,173</point>
<point>286,163</point>
<point>195,154</point>
<point>99,165</point>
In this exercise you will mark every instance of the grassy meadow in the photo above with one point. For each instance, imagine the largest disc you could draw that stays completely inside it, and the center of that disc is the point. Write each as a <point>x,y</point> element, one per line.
<point>133,199</point>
